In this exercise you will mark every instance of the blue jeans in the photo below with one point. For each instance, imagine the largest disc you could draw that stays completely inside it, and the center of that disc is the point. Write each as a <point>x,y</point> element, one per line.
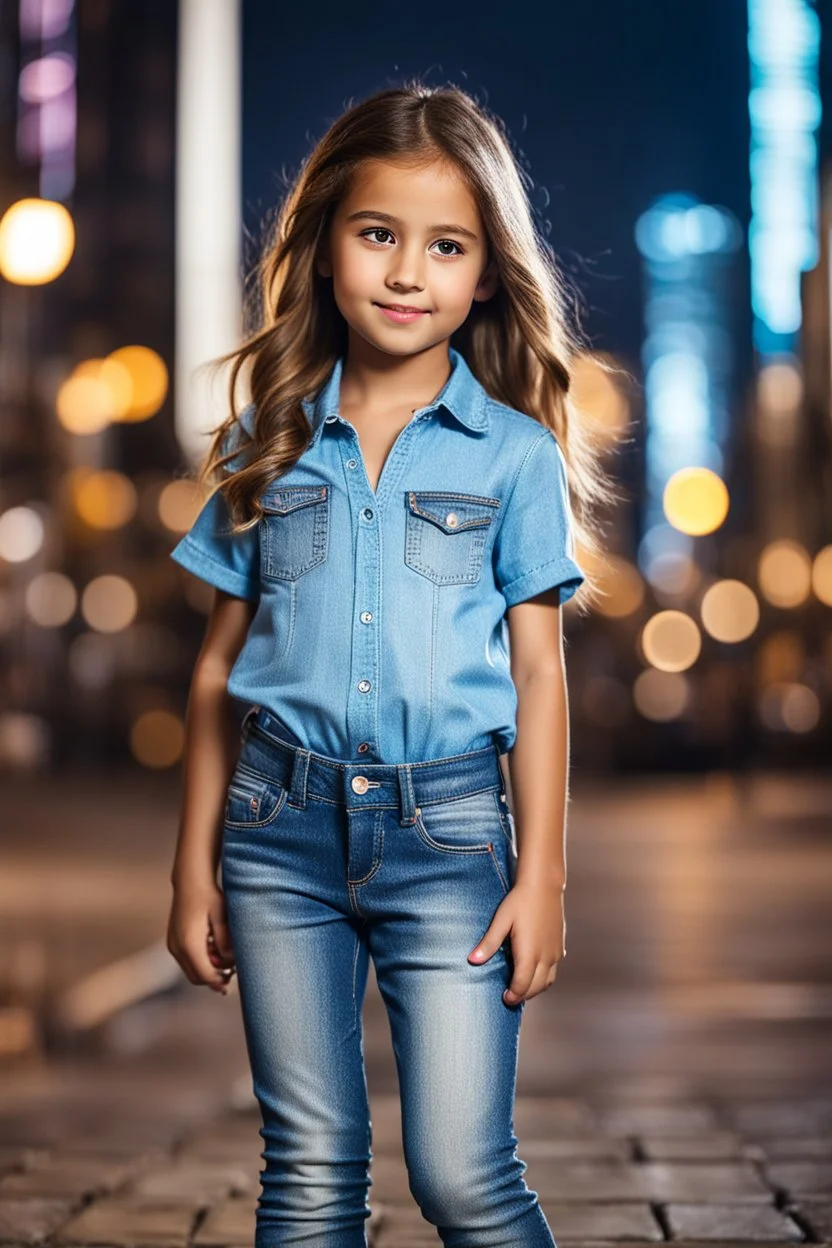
<point>325,864</point>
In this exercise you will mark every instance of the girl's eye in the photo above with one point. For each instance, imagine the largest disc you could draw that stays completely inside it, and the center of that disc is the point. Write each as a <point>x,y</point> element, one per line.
<point>379,229</point>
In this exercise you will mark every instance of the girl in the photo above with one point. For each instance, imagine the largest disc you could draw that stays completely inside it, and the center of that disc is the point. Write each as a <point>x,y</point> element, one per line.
<point>391,542</point>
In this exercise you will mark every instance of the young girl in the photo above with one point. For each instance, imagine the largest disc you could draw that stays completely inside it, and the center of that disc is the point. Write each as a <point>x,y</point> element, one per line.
<point>391,542</point>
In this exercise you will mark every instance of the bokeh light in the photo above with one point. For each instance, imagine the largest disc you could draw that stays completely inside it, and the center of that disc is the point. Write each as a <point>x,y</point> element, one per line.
<point>822,575</point>
<point>149,377</point>
<point>661,696</point>
<point>84,404</point>
<point>597,393</point>
<point>179,505</point>
<point>730,611</point>
<point>157,738</point>
<point>781,657</point>
<point>695,500</point>
<point>51,599</point>
<point>21,534</point>
<point>789,707</point>
<point>104,500</point>
<point>109,603</point>
<point>37,239</point>
<point>784,573</point>
<point>671,641</point>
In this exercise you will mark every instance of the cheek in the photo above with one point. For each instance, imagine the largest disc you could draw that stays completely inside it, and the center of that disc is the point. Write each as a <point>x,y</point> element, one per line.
<point>353,271</point>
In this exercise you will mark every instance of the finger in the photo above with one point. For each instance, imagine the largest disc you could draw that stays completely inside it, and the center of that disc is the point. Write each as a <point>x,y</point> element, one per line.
<point>521,980</point>
<point>220,934</point>
<point>491,941</point>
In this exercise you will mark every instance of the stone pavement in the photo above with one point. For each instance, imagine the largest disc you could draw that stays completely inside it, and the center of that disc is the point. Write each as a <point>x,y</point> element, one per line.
<point>675,1083</point>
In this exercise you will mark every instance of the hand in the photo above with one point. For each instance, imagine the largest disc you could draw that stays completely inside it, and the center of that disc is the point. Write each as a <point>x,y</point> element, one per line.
<point>198,935</point>
<point>532,913</point>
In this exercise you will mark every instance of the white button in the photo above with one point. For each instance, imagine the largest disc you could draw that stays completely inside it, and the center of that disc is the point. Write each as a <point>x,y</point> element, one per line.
<point>330,420</point>
<point>352,463</point>
<point>366,617</point>
<point>364,686</point>
<point>452,519</point>
<point>360,784</point>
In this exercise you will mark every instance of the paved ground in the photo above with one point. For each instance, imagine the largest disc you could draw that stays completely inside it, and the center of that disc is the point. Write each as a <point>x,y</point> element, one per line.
<point>675,1083</point>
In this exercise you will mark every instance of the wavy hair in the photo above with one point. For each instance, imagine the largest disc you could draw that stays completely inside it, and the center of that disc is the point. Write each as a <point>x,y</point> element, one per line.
<point>519,344</point>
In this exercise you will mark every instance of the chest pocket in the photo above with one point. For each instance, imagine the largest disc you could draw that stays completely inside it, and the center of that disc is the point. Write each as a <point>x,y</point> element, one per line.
<point>295,531</point>
<point>445,534</point>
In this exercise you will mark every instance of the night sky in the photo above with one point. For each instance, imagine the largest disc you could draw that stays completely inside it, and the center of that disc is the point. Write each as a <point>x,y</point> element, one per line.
<point>610,103</point>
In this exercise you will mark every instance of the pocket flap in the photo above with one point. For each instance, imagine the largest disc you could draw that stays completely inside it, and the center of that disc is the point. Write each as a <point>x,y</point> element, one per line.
<point>451,511</point>
<point>283,499</point>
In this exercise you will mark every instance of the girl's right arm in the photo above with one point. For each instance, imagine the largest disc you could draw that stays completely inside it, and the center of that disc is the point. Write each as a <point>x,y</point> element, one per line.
<point>198,936</point>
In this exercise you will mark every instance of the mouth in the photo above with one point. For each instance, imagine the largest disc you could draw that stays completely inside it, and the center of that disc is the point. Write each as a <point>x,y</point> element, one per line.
<point>401,312</point>
<point>400,307</point>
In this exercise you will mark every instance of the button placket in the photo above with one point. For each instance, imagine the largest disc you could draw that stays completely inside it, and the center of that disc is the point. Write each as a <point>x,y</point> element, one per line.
<point>362,703</point>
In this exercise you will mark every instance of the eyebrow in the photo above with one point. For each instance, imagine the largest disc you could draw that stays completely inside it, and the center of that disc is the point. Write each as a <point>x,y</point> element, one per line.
<point>368,213</point>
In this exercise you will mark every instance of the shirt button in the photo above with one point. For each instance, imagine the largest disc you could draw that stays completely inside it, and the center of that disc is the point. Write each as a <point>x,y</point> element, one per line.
<point>352,463</point>
<point>366,617</point>
<point>364,686</point>
<point>360,784</point>
<point>368,513</point>
<point>363,747</point>
<point>330,420</point>
<point>452,519</point>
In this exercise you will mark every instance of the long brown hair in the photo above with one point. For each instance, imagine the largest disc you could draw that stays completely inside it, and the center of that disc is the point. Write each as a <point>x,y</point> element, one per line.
<point>518,344</point>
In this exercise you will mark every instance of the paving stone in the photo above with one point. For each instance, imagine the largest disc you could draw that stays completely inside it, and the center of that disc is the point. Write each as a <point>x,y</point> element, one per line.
<point>800,1178</point>
<point>578,1148</point>
<point>549,1116</point>
<point>730,1222</point>
<point>793,1148</point>
<point>390,1182</point>
<point>779,1118</point>
<point>232,1222</point>
<point>665,1120</point>
<point>402,1228</point>
<point>818,1215</point>
<point>711,1146</point>
<point>67,1176</point>
<point>121,1221</point>
<point>578,1220</point>
<point>30,1221</point>
<point>199,1181</point>
<point>556,1180</point>
<point>386,1120</point>
<point>698,1182</point>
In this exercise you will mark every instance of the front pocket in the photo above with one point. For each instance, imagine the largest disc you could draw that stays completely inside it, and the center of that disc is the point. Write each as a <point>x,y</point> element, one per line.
<point>445,534</point>
<point>462,825</point>
<point>252,800</point>
<point>295,530</point>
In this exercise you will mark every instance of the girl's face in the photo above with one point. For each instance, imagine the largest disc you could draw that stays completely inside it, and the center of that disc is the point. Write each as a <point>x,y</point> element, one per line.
<point>412,237</point>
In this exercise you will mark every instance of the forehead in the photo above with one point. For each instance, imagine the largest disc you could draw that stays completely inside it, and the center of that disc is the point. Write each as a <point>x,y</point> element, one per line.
<point>436,190</point>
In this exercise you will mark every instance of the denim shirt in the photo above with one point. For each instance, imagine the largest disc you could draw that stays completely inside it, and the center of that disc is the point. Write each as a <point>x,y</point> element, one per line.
<point>380,632</point>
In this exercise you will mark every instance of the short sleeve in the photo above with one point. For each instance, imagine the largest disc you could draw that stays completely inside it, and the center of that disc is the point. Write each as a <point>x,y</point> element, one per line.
<point>210,551</point>
<point>535,546</point>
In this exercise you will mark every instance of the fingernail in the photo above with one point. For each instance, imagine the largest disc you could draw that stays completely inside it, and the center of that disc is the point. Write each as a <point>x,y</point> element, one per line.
<point>478,953</point>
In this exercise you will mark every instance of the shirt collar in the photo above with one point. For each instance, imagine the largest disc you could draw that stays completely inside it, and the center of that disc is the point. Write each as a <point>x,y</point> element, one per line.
<point>462,396</point>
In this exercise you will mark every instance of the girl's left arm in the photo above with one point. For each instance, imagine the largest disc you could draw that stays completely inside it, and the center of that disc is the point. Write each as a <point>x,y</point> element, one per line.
<point>532,913</point>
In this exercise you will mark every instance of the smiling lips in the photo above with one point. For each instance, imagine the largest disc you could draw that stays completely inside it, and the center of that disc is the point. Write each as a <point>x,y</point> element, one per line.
<point>401,312</point>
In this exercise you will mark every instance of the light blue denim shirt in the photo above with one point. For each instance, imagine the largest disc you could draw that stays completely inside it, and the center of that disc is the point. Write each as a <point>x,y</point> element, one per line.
<point>380,631</point>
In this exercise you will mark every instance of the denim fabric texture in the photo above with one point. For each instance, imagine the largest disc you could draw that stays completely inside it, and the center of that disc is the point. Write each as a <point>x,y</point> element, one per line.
<point>325,864</point>
<point>380,632</point>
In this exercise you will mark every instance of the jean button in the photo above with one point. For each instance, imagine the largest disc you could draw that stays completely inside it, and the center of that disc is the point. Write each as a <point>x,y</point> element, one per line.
<point>360,784</point>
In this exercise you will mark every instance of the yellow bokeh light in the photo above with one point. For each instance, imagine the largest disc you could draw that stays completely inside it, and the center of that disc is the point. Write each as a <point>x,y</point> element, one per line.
<point>621,586</point>
<point>157,739</point>
<point>109,604</point>
<point>730,611</point>
<point>21,534</point>
<point>596,392</point>
<point>84,404</point>
<point>115,377</point>
<point>149,378</point>
<point>661,696</point>
<point>822,575</point>
<point>179,505</point>
<point>671,641</point>
<point>37,239</point>
<point>104,500</point>
<point>784,573</point>
<point>695,501</point>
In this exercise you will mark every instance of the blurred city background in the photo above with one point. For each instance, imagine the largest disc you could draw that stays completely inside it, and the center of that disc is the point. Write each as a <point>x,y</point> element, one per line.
<point>680,159</point>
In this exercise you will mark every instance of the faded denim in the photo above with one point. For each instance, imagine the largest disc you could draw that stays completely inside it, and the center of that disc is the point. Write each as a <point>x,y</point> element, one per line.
<point>328,863</point>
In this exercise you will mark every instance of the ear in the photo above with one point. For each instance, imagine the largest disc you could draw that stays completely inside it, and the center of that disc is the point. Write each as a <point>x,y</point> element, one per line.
<point>489,282</point>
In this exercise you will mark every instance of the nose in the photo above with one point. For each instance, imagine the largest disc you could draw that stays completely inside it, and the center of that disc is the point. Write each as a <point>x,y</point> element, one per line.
<point>406,270</point>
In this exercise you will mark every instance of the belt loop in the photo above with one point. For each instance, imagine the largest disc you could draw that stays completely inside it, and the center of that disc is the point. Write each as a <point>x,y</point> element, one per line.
<point>297,784</point>
<point>409,808</point>
<point>252,710</point>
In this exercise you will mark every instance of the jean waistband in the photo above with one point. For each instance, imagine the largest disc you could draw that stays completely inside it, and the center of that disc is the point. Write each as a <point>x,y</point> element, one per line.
<point>362,786</point>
